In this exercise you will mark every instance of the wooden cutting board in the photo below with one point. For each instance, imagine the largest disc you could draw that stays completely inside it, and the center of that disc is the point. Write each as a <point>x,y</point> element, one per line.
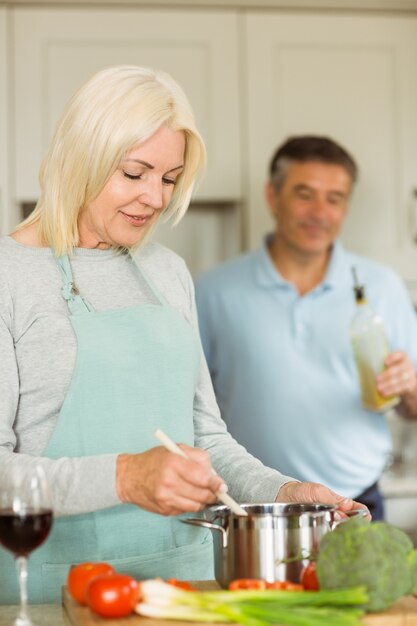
<point>402,613</point>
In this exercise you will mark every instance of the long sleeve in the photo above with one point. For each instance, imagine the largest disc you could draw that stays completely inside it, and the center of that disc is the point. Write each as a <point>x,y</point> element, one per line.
<point>78,485</point>
<point>36,357</point>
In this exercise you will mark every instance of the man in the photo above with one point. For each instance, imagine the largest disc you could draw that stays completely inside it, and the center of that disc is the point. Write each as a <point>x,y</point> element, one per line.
<point>275,330</point>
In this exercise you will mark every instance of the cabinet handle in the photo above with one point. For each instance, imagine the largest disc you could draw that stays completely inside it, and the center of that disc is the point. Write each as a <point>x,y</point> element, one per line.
<point>414,214</point>
<point>2,217</point>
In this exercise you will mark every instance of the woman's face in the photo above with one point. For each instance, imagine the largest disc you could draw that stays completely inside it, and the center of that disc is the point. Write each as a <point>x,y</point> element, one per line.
<point>135,195</point>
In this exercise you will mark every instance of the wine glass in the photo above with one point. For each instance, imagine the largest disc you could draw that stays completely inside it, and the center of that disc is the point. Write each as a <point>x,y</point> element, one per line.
<point>25,522</point>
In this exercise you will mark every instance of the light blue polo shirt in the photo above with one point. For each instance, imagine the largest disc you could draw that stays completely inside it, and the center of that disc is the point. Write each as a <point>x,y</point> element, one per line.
<point>283,370</point>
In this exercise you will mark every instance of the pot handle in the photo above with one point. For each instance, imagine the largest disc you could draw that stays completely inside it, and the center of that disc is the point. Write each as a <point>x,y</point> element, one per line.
<point>355,513</point>
<point>196,521</point>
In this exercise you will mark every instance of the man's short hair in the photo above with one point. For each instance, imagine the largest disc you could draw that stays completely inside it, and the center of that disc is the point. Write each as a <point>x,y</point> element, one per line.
<point>305,148</point>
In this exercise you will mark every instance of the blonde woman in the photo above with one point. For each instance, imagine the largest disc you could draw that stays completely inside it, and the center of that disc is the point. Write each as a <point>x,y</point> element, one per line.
<point>99,346</point>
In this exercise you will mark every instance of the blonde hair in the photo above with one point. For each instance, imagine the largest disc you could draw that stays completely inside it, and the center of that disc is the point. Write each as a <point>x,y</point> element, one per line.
<point>116,109</point>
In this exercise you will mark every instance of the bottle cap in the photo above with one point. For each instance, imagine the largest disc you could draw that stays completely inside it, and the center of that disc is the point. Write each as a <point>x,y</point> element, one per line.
<point>357,287</point>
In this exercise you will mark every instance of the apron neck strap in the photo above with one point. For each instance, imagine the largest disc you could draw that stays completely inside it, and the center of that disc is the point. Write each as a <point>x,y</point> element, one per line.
<point>140,272</point>
<point>76,303</point>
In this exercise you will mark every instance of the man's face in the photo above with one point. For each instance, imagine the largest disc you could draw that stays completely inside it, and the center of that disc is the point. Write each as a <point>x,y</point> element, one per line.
<point>310,206</point>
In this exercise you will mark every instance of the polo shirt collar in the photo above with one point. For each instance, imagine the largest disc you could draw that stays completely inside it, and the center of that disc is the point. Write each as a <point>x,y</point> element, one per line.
<point>336,269</point>
<point>268,276</point>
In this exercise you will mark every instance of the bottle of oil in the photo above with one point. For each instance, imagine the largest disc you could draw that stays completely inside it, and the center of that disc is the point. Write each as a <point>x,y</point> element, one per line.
<point>370,347</point>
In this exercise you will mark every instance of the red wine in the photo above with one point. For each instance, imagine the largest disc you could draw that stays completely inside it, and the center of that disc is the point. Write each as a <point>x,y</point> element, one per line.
<point>22,533</point>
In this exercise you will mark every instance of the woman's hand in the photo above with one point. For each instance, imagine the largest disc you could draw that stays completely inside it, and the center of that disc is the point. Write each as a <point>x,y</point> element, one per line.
<point>315,492</point>
<point>166,483</point>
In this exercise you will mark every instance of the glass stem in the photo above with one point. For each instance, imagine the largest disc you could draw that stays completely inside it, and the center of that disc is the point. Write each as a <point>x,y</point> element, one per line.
<point>22,573</point>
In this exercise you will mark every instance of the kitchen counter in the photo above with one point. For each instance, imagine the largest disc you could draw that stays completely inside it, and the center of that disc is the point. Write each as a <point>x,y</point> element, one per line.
<point>399,480</point>
<point>398,483</point>
<point>399,488</point>
<point>41,614</point>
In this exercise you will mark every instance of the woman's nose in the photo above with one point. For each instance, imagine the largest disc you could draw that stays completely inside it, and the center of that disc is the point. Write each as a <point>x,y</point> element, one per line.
<point>151,194</point>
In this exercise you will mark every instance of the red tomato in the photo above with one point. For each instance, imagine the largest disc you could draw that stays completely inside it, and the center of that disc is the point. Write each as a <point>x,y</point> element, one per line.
<point>277,584</point>
<point>285,585</point>
<point>309,578</point>
<point>113,595</point>
<point>80,576</point>
<point>247,583</point>
<point>181,584</point>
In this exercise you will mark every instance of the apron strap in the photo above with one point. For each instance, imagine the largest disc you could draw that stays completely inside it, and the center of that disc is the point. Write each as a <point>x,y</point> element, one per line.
<point>140,272</point>
<point>76,303</point>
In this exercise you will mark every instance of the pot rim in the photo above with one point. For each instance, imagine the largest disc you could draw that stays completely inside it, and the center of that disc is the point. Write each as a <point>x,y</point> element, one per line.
<point>272,509</point>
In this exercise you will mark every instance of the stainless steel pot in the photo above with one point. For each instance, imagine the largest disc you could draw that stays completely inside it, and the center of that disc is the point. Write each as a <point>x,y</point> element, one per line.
<point>273,542</point>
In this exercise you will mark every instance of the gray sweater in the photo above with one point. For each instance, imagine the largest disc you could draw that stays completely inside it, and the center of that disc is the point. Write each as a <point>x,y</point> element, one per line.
<point>37,355</point>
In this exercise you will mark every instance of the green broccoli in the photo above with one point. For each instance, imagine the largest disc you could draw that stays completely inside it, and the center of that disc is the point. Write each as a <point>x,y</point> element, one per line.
<point>377,555</point>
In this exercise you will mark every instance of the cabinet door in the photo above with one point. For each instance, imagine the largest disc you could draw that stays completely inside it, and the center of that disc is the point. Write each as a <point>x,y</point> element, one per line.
<point>57,49</point>
<point>4,170</point>
<point>352,78</point>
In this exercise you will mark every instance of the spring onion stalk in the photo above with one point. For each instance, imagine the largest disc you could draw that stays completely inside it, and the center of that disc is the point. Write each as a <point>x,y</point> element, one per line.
<point>179,612</point>
<point>334,597</point>
<point>342,607</point>
<point>300,616</point>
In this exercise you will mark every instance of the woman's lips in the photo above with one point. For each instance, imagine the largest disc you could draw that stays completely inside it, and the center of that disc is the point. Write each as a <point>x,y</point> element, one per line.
<point>136,220</point>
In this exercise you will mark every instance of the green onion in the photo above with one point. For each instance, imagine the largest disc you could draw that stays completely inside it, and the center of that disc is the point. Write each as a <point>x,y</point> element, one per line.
<point>342,607</point>
<point>298,616</point>
<point>334,597</point>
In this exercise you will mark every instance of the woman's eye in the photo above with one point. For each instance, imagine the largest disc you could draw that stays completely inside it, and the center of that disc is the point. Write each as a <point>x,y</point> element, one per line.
<point>132,176</point>
<point>166,181</point>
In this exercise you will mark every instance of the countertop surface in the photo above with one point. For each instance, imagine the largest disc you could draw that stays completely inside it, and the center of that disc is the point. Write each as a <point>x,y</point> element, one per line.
<point>41,614</point>
<point>400,480</point>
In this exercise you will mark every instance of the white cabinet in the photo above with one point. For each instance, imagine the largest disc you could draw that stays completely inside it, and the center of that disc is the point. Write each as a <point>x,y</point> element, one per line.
<point>4,136</point>
<point>57,49</point>
<point>253,78</point>
<point>351,77</point>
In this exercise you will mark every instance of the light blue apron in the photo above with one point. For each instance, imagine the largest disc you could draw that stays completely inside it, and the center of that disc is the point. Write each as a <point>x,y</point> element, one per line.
<point>136,370</point>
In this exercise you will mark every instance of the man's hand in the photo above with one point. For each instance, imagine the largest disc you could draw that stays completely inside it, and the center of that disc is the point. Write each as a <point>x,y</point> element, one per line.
<point>166,483</point>
<point>317,493</point>
<point>400,379</point>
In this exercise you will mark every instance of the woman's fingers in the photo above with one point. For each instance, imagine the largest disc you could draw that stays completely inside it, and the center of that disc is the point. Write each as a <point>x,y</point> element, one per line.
<point>166,483</point>
<point>201,472</point>
<point>318,493</point>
